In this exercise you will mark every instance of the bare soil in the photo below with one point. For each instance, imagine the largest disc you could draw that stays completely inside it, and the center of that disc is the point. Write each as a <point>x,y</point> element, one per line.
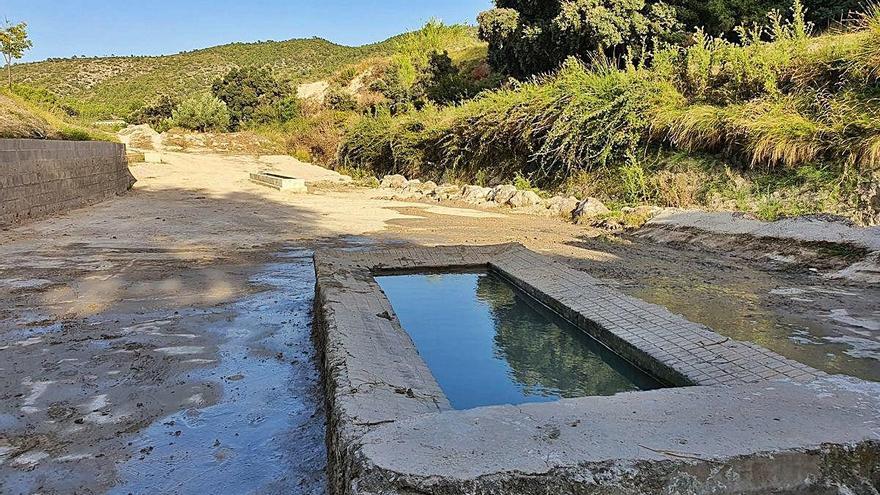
<point>159,342</point>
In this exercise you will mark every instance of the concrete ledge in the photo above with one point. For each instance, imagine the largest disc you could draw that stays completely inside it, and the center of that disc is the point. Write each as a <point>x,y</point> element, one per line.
<point>774,437</point>
<point>391,430</point>
<point>280,182</point>
<point>803,230</point>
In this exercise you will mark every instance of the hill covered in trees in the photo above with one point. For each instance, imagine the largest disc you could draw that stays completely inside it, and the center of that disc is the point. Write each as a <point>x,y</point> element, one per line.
<point>106,87</point>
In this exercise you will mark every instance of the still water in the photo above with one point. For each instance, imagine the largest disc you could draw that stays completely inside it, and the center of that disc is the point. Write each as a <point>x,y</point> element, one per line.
<point>487,343</point>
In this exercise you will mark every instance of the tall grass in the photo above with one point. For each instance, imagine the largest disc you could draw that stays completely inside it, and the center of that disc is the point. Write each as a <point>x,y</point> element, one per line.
<point>42,119</point>
<point>781,99</point>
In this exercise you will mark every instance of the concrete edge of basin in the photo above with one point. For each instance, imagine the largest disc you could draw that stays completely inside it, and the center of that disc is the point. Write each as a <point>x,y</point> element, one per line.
<point>376,381</point>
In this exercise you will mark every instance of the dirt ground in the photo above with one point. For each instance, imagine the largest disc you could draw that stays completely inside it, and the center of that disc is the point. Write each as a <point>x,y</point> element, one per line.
<point>159,342</point>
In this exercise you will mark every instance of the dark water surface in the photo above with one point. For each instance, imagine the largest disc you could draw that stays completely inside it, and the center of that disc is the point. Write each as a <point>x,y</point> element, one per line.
<point>488,343</point>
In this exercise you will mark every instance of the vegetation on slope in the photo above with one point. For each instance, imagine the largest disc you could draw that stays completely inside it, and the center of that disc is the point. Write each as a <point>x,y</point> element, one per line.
<point>437,64</point>
<point>20,118</point>
<point>779,110</point>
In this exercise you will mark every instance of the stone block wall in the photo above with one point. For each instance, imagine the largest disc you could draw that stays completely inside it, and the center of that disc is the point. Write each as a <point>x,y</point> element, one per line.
<point>40,177</point>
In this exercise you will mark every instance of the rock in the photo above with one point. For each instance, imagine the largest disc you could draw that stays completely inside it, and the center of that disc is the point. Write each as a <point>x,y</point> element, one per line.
<point>562,206</point>
<point>446,192</point>
<point>589,209</point>
<point>413,187</point>
<point>870,198</point>
<point>523,199</point>
<point>647,211</point>
<point>475,194</point>
<point>866,271</point>
<point>393,182</point>
<point>428,187</point>
<point>502,194</point>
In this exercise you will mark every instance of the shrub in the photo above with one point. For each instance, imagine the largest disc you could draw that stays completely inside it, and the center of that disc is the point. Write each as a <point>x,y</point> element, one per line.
<point>345,76</point>
<point>526,39</point>
<point>442,82</point>
<point>202,113</point>
<point>289,108</point>
<point>719,18</point>
<point>421,70</point>
<point>250,94</point>
<point>339,99</point>
<point>154,113</point>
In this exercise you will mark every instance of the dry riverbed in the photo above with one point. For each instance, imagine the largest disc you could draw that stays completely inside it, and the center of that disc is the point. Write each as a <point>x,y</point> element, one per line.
<point>159,342</point>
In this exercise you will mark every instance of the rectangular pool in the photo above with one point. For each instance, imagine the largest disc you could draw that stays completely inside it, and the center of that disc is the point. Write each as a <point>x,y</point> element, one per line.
<point>488,343</point>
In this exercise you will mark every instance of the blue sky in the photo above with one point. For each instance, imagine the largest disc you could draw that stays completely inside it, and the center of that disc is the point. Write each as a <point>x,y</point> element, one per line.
<point>63,28</point>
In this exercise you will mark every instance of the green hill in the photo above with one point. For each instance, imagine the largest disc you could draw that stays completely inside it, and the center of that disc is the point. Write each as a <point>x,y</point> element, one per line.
<point>106,87</point>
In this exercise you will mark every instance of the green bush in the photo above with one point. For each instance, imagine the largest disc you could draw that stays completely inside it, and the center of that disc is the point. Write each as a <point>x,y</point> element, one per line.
<point>421,70</point>
<point>289,108</point>
<point>251,94</point>
<point>202,113</point>
<point>161,109</point>
<point>720,18</point>
<point>339,99</point>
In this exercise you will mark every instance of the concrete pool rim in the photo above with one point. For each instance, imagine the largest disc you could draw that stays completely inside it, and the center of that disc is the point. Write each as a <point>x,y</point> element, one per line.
<point>381,396</point>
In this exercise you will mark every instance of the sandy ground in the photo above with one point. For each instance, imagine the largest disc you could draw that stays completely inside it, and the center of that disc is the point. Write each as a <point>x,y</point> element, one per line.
<point>159,342</point>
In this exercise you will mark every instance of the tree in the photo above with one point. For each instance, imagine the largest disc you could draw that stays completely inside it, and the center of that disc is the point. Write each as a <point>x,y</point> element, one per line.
<point>13,43</point>
<point>250,93</point>
<point>441,81</point>
<point>156,112</point>
<point>527,37</point>
<point>721,18</point>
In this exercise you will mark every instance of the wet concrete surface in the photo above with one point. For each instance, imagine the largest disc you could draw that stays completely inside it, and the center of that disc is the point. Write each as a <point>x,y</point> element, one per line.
<point>832,325</point>
<point>211,398</point>
<point>266,434</point>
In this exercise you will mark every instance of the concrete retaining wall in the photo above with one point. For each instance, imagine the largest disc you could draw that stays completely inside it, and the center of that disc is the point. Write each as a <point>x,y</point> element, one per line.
<point>39,177</point>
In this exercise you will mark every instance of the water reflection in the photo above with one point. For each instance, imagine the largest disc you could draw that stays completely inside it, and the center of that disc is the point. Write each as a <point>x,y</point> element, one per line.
<point>488,343</point>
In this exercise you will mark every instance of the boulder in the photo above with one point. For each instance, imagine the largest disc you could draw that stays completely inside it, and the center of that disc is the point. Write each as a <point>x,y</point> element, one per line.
<point>428,187</point>
<point>524,199</point>
<point>646,211</point>
<point>502,194</point>
<point>589,209</point>
<point>562,206</point>
<point>413,186</point>
<point>475,194</point>
<point>393,182</point>
<point>446,192</point>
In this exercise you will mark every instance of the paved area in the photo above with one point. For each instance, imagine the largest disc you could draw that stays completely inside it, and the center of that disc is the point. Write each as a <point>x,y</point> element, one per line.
<point>165,311</point>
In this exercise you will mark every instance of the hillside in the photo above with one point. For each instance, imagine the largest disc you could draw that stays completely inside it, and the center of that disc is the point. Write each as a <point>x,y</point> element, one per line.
<point>105,87</point>
<point>22,119</point>
<point>777,127</point>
